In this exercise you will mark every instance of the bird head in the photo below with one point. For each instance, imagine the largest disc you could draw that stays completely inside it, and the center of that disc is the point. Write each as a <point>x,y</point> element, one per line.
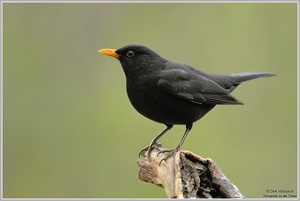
<point>135,58</point>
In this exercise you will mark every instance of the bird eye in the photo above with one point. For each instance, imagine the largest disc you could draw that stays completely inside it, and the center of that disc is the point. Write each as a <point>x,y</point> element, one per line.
<point>130,53</point>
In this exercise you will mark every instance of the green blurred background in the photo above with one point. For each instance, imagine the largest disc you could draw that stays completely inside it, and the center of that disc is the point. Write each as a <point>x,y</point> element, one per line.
<point>70,131</point>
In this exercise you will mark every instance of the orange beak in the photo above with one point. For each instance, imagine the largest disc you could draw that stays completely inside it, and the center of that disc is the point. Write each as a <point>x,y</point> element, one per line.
<point>109,52</point>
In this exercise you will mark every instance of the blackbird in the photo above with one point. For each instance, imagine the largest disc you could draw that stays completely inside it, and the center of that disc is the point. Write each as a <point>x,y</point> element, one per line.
<point>173,93</point>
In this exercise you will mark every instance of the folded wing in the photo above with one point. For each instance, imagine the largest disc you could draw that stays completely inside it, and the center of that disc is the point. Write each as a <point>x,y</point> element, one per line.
<point>193,87</point>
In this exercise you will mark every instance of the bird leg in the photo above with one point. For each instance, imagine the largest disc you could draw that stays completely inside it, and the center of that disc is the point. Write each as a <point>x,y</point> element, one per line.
<point>154,140</point>
<point>173,151</point>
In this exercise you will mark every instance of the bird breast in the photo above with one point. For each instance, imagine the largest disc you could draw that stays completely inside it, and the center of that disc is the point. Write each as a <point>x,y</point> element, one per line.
<point>151,102</point>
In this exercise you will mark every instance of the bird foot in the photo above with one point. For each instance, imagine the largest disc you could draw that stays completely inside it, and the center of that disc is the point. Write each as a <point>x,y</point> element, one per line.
<point>146,152</point>
<point>171,153</point>
<point>143,151</point>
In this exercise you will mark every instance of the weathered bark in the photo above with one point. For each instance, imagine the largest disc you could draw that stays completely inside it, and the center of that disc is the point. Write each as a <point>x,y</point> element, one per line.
<point>186,175</point>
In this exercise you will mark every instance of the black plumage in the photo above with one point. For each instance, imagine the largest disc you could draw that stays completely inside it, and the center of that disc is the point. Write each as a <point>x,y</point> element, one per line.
<point>173,93</point>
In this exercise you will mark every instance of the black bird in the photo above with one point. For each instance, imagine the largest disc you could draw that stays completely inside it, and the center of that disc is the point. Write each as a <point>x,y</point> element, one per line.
<point>173,93</point>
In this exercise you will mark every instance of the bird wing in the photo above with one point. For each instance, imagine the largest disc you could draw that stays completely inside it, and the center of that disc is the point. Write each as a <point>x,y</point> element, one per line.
<point>196,88</point>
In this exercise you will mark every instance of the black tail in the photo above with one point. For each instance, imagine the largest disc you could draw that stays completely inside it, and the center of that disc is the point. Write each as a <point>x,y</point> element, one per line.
<point>242,77</point>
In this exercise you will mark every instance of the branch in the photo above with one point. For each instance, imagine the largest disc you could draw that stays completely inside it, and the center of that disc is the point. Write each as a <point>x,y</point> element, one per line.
<point>186,175</point>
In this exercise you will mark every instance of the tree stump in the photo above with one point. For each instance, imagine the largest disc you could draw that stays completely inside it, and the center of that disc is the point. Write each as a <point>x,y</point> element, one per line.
<point>186,175</point>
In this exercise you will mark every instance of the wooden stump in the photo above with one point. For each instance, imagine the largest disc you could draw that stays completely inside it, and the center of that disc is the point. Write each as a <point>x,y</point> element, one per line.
<point>186,175</point>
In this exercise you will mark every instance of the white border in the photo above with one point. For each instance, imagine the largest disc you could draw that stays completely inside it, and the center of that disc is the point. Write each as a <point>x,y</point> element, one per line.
<point>153,1</point>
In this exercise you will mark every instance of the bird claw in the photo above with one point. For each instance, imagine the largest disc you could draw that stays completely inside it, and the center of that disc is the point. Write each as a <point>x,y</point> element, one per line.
<point>146,152</point>
<point>172,152</point>
<point>142,152</point>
